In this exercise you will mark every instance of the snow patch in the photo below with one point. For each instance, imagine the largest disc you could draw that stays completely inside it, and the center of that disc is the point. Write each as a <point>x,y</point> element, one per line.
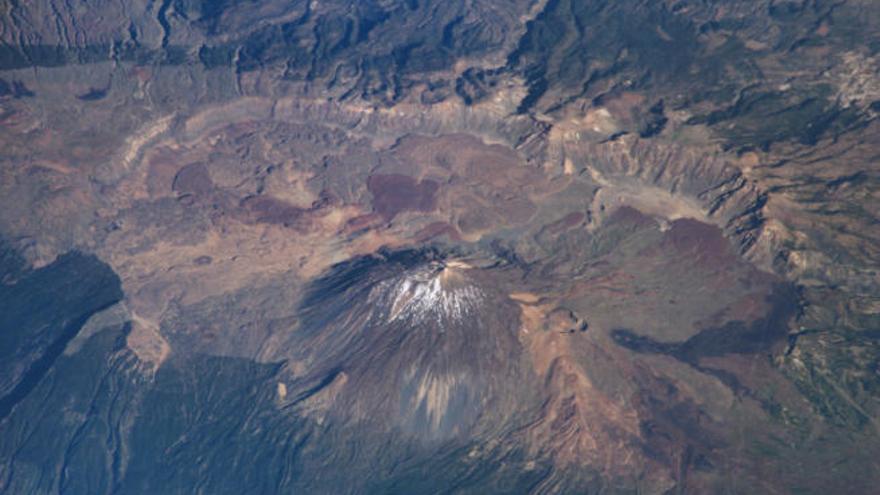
<point>436,293</point>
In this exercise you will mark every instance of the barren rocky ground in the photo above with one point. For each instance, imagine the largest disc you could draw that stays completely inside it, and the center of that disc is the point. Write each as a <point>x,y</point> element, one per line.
<point>482,246</point>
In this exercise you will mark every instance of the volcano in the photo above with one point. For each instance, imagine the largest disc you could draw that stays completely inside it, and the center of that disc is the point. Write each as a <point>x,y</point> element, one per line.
<point>439,246</point>
<point>422,347</point>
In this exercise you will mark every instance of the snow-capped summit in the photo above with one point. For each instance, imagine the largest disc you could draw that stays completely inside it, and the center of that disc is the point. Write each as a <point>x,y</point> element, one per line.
<point>438,292</point>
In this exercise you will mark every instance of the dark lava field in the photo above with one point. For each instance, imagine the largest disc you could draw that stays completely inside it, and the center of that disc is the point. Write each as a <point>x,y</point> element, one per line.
<point>439,247</point>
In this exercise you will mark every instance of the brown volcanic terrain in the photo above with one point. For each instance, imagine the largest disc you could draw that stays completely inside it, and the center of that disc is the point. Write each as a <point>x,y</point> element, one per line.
<point>546,247</point>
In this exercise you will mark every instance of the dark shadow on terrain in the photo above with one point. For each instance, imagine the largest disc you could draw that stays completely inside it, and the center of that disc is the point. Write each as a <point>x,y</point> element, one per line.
<point>41,311</point>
